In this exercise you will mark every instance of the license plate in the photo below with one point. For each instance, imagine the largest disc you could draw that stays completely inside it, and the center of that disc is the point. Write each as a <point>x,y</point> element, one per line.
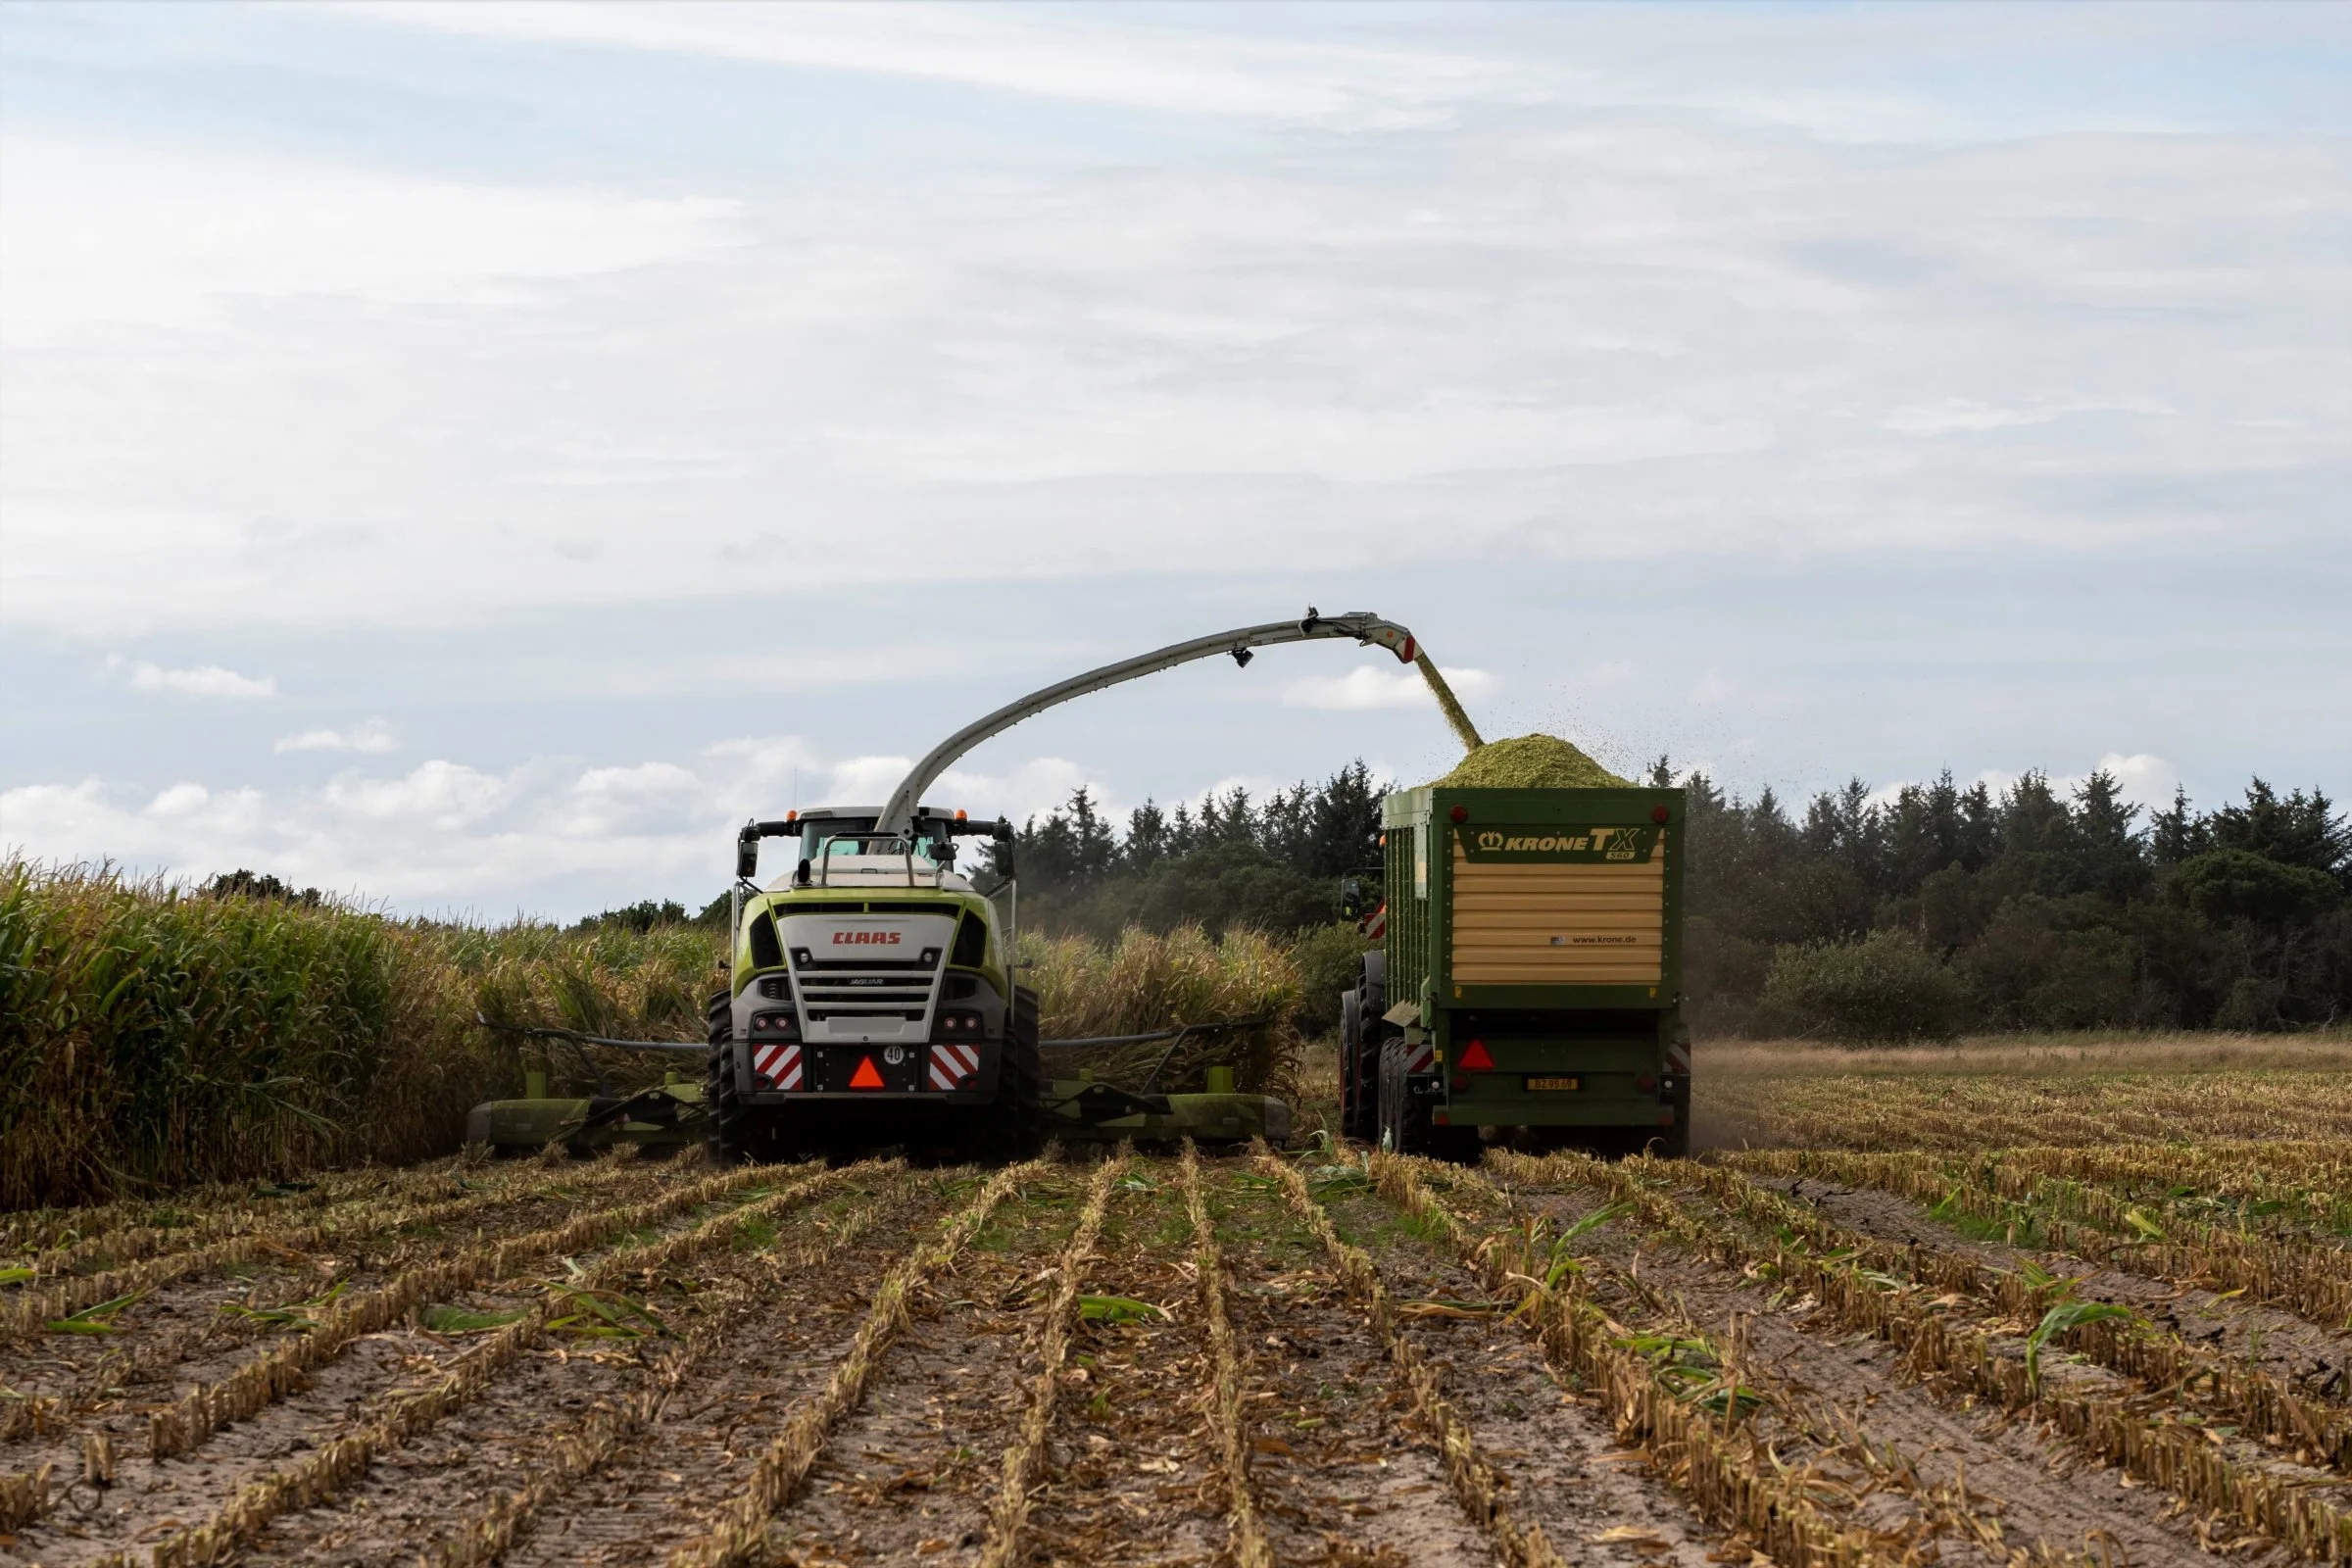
<point>1552,1082</point>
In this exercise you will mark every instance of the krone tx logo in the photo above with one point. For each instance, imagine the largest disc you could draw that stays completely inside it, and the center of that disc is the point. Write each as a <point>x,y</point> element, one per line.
<point>1490,840</point>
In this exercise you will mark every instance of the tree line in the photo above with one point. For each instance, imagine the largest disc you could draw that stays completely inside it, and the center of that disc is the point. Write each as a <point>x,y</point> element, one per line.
<point>1940,909</point>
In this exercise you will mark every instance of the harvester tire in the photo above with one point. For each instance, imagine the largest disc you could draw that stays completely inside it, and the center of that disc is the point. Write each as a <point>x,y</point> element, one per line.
<point>1016,1131</point>
<point>734,1135</point>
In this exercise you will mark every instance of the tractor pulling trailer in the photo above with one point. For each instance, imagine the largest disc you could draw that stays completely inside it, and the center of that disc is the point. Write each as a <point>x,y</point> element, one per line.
<point>1528,986</point>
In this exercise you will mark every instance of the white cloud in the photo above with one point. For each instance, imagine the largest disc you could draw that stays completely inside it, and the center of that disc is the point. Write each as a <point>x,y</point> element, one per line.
<point>1064,53</point>
<point>206,680</point>
<point>446,833</point>
<point>103,236</point>
<point>371,738</point>
<point>1367,688</point>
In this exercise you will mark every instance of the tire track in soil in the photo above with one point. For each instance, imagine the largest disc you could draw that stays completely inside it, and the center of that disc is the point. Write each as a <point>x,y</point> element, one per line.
<point>1133,1467</point>
<point>1341,1478</point>
<point>913,1473</point>
<point>1553,1446</point>
<point>148,1499</point>
<point>760,1300</point>
<point>2040,1491</point>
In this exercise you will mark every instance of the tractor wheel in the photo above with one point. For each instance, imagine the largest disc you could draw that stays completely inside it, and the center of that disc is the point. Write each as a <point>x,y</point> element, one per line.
<point>1404,1124</point>
<point>734,1135</point>
<point>1015,1129</point>
<point>1361,1118</point>
<point>1359,1101</point>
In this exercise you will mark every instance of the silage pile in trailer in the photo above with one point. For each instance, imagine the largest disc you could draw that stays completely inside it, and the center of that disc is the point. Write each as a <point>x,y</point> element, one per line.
<point>1530,763</point>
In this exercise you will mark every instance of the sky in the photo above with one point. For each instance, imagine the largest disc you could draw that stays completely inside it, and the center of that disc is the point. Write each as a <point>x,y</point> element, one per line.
<point>469,457</point>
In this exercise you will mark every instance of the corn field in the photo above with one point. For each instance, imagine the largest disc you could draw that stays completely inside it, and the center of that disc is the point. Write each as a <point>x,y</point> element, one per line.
<point>152,1039</point>
<point>2033,1335</point>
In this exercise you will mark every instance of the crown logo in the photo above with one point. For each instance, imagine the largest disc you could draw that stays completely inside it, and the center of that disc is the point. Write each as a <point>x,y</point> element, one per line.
<point>1490,840</point>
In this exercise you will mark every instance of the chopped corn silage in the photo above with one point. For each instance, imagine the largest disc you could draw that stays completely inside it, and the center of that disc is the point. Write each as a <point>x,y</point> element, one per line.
<point>1530,763</point>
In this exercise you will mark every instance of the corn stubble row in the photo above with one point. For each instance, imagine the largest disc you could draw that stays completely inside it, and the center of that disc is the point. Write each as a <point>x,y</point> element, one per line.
<point>1475,1484</point>
<point>1027,1451</point>
<point>59,1241</point>
<point>334,1467</point>
<point>738,1531</point>
<point>1962,1114</point>
<point>597,1439</point>
<point>2232,1385</point>
<point>1246,1531</point>
<point>2312,1280</point>
<point>271,1377</point>
<point>36,1304</point>
<point>1862,1297</point>
<point>1735,1480</point>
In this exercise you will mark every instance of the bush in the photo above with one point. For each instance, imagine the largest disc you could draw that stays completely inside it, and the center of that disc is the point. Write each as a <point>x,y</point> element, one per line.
<point>1883,988</point>
<point>1330,959</point>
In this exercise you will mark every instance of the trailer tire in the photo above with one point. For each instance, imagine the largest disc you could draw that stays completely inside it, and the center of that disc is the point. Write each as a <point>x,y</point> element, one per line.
<point>1359,1109</point>
<point>1404,1124</point>
<point>736,1134</point>
<point>1360,1052</point>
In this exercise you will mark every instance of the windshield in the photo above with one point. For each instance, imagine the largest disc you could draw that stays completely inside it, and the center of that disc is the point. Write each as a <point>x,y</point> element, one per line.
<point>932,847</point>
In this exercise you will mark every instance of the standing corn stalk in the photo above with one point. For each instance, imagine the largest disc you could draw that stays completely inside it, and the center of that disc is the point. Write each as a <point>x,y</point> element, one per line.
<point>1249,1536</point>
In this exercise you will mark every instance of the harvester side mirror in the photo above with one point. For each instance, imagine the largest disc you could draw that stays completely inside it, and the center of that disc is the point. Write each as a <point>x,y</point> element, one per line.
<point>1351,899</point>
<point>800,873</point>
<point>747,858</point>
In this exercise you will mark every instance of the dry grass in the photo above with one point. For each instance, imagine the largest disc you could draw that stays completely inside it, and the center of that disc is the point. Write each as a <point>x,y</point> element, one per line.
<point>2088,1052</point>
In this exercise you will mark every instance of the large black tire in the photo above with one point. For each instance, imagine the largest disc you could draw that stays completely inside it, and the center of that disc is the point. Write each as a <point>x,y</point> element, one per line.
<point>1014,1130</point>
<point>1359,1096</point>
<point>1360,1058</point>
<point>735,1132</point>
<point>1404,1124</point>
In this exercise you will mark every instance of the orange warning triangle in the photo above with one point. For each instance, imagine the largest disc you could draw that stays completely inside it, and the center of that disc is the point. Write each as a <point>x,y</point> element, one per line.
<point>866,1077</point>
<point>1476,1055</point>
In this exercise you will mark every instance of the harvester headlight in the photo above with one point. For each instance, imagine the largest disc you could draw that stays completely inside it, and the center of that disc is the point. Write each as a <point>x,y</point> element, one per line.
<point>960,1025</point>
<point>775,1026</point>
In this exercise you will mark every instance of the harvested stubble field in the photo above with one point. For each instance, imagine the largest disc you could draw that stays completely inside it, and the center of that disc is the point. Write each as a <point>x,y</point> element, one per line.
<point>1985,1320</point>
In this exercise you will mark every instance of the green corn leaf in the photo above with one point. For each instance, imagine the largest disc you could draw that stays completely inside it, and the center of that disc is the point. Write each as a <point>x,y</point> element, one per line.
<point>460,1320</point>
<point>2149,1230</point>
<point>1118,1309</point>
<point>17,1276</point>
<point>2059,1318</point>
<point>1594,1221</point>
<point>97,1319</point>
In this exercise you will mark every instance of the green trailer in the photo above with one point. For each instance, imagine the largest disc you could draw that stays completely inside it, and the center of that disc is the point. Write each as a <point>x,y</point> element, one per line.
<point>1528,988</point>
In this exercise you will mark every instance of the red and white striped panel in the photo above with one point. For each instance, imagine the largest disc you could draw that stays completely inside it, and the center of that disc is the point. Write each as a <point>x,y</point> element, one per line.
<point>954,1067</point>
<point>1421,1057</point>
<point>1375,926</point>
<point>1678,1057</point>
<point>778,1063</point>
